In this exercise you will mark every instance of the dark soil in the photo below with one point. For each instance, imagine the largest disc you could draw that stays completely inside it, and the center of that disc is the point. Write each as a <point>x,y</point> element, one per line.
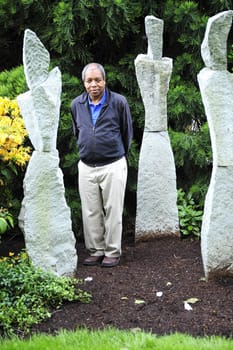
<point>169,265</point>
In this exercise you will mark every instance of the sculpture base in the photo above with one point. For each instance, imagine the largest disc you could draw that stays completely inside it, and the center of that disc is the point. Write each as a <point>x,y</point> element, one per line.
<point>45,217</point>
<point>151,235</point>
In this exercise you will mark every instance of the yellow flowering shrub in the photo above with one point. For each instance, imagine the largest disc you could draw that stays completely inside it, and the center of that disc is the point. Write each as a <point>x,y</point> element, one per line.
<point>12,133</point>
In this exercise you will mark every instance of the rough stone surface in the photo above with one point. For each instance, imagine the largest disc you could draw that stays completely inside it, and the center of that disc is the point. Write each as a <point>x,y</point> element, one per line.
<point>153,79</point>
<point>156,195</point>
<point>214,45</point>
<point>217,93</point>
<point>217,227</point>
<point>45,217</point>
<point>40,109</point>
<point>157,212</point>
<point>36,60</point>
<point>216,86</point>
<point>154,33</point>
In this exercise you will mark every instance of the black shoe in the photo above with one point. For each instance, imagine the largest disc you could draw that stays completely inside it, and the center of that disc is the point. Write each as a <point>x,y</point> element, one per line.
<point>110,262</point>
<point>93,260</point>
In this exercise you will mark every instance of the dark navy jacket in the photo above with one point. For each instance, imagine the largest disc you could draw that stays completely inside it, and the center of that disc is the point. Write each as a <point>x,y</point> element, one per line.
<point>109,139</point>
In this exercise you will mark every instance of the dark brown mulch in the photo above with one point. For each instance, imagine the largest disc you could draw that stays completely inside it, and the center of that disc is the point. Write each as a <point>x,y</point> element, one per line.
<point>168,265</point>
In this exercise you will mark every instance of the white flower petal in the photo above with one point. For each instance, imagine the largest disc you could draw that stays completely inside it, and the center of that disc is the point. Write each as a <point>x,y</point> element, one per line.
<point>88,279</point>
<point>187,306</point>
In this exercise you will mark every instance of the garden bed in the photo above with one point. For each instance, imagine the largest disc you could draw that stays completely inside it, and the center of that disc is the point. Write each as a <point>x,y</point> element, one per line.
<point>146,291</point>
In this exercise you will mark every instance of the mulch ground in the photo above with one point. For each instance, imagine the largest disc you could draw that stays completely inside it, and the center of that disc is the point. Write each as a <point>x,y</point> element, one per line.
<point>126,296</point>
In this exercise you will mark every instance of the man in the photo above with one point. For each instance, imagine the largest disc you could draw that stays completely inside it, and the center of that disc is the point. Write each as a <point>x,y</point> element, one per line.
<point>103,127</point>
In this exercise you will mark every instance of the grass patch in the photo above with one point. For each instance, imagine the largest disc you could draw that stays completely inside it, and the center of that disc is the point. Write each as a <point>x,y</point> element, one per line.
<point>112,339</point>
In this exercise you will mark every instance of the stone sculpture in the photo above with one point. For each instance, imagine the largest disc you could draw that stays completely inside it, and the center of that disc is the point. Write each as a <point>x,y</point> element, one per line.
<point>157,213</point>
<point>216,86</point>
<point>44,217</point>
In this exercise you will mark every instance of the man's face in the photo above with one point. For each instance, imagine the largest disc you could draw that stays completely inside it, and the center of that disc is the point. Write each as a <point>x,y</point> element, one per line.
<point>94,83</point>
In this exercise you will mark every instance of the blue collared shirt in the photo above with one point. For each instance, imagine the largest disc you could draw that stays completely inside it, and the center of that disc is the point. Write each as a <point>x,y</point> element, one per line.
<point>95,109</point>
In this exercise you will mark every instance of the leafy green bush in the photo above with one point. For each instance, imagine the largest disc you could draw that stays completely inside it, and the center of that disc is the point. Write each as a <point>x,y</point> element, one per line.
<point>193,159</point>
<point>6,221</point>
<point>190,215</point>
<point>13,82</point>
<point>28,294</point>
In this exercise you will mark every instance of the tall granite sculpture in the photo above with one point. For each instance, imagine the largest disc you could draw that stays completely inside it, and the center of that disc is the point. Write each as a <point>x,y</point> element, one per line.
<point>157,213</point>
<point>216,86</point>
<point>44,217</point>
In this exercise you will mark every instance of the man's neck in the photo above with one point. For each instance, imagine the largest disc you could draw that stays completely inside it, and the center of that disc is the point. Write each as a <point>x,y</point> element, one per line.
<point>95,100</point>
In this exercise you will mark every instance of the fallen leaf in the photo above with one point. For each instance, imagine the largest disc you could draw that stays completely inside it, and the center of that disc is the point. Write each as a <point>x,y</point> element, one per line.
<point>192,300</point>
<point>138,301</point>
<point>135,330</point>
<point>202,279</point>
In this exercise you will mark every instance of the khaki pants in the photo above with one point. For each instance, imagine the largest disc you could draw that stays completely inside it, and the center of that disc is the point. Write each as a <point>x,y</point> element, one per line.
<point>102,191</point>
